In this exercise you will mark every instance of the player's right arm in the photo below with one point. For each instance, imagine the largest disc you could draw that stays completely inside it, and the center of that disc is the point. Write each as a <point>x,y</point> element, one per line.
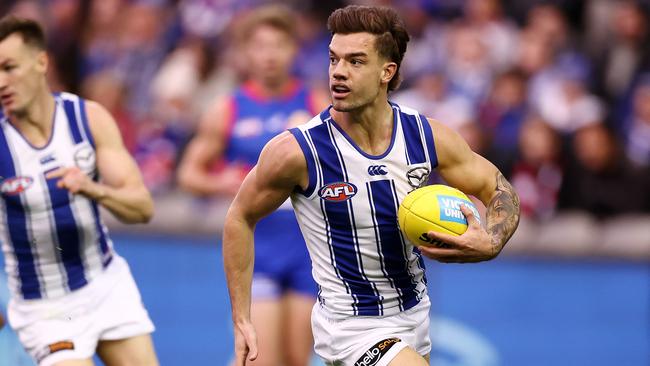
<point>208,146</point>
<point>280,169</point>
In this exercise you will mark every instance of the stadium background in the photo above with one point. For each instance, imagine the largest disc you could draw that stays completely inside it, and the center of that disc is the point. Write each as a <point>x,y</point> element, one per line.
<point>556,93</point>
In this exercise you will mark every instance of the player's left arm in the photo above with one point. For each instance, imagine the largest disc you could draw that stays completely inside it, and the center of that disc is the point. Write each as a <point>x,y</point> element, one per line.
<point>462,168</point>
<point>121,189</point>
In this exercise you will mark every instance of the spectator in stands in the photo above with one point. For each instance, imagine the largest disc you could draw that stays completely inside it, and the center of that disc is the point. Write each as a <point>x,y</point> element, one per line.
<point>637,127</point>
<point>142,47</point>
<point>495,30</point>
<point>564,100</point>
<point>66,19</point>
<point>537,173</point>
<point>501,116</point>
<point>601,180</point>
<point>548,21</point>
<point>427,47</point>
<point>100,41</point>
<point>621,57</point>
<point>468,66</point>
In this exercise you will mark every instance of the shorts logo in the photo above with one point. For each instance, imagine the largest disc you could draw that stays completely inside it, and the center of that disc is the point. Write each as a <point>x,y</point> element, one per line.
<point>16,185</point>
<point>450,209</point>
<point>376,352</point>
<point>338,192</point>
<point>53,348</point>
<point>377,170</point>
<point>418,177</point>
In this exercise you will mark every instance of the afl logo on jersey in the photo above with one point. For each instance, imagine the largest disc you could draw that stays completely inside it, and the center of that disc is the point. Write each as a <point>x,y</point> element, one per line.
<point>338,192</point>
<point>16,185</point>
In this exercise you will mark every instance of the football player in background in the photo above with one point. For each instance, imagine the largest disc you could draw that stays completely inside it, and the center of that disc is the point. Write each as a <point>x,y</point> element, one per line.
<point>233,133</point>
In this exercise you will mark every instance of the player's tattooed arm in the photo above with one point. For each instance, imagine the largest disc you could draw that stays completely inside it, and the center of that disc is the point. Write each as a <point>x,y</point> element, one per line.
<point>502,213</point>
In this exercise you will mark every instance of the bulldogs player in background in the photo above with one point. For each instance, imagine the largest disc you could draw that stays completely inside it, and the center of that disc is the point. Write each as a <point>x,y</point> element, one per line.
<point>233,132</point>
<point>72,295</point>
<point>346,172</point>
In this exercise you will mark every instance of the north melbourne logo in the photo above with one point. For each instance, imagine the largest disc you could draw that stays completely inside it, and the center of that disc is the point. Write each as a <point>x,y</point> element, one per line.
<point>84,159</point>
<point>418,177</point>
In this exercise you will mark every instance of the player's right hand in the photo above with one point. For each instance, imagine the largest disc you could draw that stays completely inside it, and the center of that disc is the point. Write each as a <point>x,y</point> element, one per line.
<point>245,343</point>
<point>474,245</point>
<point>75,181</point>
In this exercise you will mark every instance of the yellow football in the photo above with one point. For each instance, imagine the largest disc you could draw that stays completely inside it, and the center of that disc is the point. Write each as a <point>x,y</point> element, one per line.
<point>433,208</point>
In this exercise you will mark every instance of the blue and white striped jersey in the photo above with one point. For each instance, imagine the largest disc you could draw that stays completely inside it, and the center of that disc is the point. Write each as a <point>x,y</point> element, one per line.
<point>53,242</point>
<point>348,214</point>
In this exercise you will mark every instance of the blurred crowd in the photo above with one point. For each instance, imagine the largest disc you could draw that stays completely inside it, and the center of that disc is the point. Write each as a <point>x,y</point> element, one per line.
<point>555,93</point>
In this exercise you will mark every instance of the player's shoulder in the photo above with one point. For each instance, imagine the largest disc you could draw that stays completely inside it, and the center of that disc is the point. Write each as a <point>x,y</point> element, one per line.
<point>282,159</point>
<point>101,123</point>
<point>283,149</point>
<point>95,113</point>
<point>98,115</point>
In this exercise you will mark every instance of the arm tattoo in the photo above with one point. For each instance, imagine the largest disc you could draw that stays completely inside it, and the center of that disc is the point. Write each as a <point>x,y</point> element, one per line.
<point>502,213</point>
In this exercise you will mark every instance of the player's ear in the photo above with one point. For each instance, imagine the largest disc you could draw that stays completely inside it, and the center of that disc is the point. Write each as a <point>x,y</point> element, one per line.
<point>42,61</point>
<point>388,72</point>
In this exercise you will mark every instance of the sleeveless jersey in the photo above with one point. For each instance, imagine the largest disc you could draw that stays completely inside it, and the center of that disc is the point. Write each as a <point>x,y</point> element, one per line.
<point>348,214</point>
<point>255,120</point>
<point>53,241</point>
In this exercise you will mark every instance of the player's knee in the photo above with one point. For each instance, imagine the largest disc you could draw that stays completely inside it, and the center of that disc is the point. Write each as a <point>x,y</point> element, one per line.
<point>298,361</point>
<point>131,359</point>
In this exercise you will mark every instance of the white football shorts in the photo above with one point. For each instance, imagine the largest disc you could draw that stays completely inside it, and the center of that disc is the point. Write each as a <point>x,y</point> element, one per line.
<point>69,327</point>
<point>370,340</point>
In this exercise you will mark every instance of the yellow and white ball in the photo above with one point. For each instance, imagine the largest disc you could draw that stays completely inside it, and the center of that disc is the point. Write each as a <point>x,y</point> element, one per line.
<point>433,208</point>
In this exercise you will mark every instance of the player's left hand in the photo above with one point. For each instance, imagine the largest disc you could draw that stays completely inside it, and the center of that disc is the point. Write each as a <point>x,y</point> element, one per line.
<point>474,245</point>
<point>74,180</point>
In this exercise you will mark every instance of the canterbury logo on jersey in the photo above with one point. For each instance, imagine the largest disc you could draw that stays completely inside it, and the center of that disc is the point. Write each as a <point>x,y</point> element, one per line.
<point>16,185</point>
<point>338,192</point>
<point>377,170</point>
<point>47,159</point>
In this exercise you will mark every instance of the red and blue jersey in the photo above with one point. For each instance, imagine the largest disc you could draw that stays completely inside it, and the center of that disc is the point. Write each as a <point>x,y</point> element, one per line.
<point>256,119</point>
<point>280,251</point>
